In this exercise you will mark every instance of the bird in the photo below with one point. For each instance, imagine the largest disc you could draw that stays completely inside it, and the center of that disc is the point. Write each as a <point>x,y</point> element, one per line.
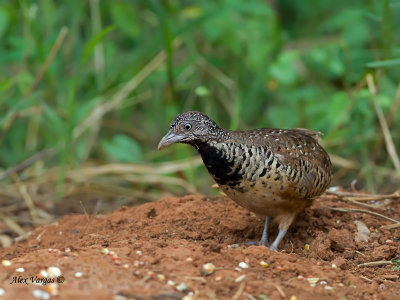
<point>272,172</point>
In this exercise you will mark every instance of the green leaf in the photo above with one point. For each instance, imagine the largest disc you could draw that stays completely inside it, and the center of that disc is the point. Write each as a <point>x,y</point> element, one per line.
<point>202,91</point>
<point>384,63</point>
<point>122,148</point>
<point>94,41</point>
<point>4,20</point>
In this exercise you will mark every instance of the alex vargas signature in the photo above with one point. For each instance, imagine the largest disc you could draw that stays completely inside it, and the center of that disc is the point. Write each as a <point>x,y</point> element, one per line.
<point>36,280</point>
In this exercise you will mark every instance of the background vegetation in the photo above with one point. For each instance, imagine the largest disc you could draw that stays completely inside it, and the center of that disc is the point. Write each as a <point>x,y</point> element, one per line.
<point>88,88</point>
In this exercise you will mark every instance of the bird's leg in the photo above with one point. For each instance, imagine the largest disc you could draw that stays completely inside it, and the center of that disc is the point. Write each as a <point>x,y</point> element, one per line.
<point>278,239</point>
<point>264,238</point>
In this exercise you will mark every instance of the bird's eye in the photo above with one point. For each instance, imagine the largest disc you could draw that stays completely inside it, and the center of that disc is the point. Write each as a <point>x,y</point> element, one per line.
<point>188,126</point>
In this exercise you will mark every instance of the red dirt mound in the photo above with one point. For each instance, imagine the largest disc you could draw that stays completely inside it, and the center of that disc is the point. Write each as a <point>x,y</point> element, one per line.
<point>157,250</point>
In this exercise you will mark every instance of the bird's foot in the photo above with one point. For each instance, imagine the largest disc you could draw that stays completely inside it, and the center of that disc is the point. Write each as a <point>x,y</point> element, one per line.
<point>257,243</point>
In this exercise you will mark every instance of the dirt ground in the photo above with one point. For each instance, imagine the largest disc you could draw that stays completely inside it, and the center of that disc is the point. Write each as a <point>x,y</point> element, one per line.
<point>157,251</point>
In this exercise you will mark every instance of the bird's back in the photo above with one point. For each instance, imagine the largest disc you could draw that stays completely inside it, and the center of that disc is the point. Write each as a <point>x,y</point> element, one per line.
<point>269,167</point>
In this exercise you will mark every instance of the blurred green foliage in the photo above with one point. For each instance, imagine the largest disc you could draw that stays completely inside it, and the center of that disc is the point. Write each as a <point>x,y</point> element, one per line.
<point>247,64</point>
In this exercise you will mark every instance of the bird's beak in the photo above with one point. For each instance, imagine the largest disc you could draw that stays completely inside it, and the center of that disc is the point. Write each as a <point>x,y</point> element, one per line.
<point>169,139</point>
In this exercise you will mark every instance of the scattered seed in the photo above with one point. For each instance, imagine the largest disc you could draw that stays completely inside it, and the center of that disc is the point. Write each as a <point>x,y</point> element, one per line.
<point>52,288</point>
<point>243,265</point>
<point>43,274</point>
<point>189,259</point>
<point>105,251</point>
<point>300,277</point>
<point>389,242</point>
<point>2,292</point>
<point>323,282</point>
<point>188,297</point>
<point>6,263</point>
<point>78,274</point>
<point>181,287</point>
<point>53,272</point>
<point>313,280</point>
<point>207,269</point>
<point>20,270</point>
<point>279,268</point>
<point>306,248</point>
<point>125,266</point>
<point>382,286</point>
<point>116,262</point>
<point>114,256</point>
<point>150,273</point>
<point>170,282</point>
<point>233,246</point>
<point>328,288</point>
<point>136,263</point>
<point>67,250</point>
<point>238,269</point>
<point>334,266</point>
<point>293,298</point>
<point>39,294</point>
<point>218,278</point>
<point>240,278</point>
<point>160,277</point>
<point>264,264</point>
<point>138,252</point>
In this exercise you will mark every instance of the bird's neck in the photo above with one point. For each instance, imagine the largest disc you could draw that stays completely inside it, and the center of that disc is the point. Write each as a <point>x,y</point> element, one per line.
<point>216,157</point>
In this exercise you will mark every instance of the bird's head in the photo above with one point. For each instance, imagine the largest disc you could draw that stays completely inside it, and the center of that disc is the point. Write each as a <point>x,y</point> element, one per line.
<point>191,127</point>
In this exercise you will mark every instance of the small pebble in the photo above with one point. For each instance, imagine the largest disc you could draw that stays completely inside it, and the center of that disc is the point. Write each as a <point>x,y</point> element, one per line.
<point>6,263</point>
<point>170,282</point>
<point>53,272</point>
<point>382,286</point>
<point>189,259</point>
<point>306,247</point>
<point>240,278</point>
<point>78,274</point>
<point>207,269</point>
<point>238,269</point>
<point>181,287</point>
<point>218,278</point>
<point>334,266</point>
<point>116,262</point>
<point>105,251</point>
<point>20,270</point>
<point>138,252</point>
<point>2,292</point>
<point>233,246</point>
<point>323,282</point>
<point>67,250</point>
<point>39,294</point>
<point>279,268</point>
<point>243,265</point>
<point>264,264</point>
<point>125,266</point>
<point>111,252</point>
<point>300,277</point>
<point>328,288</point>
<point>389,242</point>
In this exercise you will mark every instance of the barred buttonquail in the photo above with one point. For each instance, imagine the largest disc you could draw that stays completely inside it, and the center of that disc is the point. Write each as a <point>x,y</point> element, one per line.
<point>272,172</point>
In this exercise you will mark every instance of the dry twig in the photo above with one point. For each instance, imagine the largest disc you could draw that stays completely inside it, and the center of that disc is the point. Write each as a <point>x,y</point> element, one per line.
<point>348,209</point>
<point>376,263</point>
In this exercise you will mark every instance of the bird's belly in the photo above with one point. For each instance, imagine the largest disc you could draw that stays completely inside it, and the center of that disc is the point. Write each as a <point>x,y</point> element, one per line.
<point>265,202</point>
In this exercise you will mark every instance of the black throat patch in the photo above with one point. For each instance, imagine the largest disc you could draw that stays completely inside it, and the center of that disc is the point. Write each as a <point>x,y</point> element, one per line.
<point>219,166</point>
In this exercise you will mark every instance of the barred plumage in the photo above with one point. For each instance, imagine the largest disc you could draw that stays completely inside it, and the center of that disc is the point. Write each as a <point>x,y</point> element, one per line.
<point>273,172</point>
